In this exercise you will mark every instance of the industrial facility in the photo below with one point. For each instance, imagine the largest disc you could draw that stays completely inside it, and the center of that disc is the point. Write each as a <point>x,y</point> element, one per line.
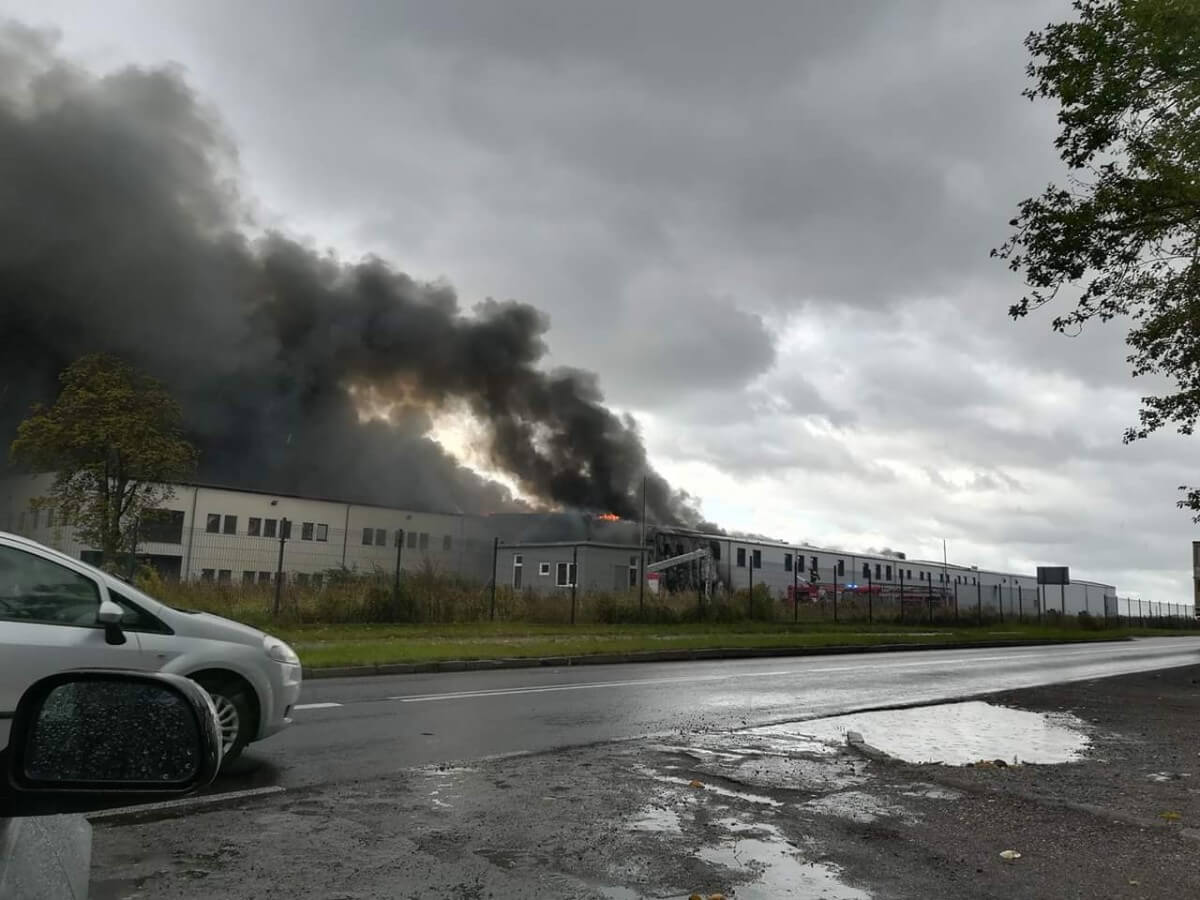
<point>227,535</point>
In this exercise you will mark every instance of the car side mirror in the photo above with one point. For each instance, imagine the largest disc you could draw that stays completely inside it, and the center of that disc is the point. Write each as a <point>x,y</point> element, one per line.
<point>109,615</point>
<point>85,740</point>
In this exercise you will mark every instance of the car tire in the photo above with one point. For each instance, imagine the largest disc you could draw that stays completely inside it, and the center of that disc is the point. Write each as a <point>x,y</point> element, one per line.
<point>235,712</point>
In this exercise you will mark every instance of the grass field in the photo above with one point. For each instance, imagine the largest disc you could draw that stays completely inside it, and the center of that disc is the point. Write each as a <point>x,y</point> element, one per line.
<point>346,645</point>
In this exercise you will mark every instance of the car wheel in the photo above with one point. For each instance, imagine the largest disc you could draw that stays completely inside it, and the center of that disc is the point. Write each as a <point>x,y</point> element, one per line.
<point>234,712</point>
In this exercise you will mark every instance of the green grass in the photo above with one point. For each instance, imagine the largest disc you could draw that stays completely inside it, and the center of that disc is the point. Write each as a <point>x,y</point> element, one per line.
<point>346,645</point>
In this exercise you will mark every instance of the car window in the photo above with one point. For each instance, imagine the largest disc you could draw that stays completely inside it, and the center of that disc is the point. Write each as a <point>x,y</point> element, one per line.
<point>33,589</point>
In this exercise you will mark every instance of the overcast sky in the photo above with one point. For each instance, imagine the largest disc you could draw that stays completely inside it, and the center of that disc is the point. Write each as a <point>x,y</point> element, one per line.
<point>765,225</point>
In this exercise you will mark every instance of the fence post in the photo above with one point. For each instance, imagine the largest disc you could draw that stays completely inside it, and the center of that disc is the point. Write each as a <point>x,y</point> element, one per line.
<point>396,583</point>
<point>1021,605</point>
<point>870,594</point>
<point>901,596</point>
<point>495,564</point>
<point>979,599</point>
<point>574,578</point>
<point>956,601</point>
<point>284,531</point>
<point>931,605</point>
<point>1000,601</point>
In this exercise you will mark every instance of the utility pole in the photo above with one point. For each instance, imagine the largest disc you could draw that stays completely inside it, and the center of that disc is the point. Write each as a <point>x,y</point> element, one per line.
<point>574,578</point>
<point>750,611</point>
<point>396,583</point>
<point>285,530</point>
<point>796,587</point>
<point>642,579</point>
<point>495,564</point>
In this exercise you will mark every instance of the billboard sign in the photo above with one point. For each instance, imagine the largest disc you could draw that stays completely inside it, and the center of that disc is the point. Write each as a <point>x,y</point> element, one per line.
<point>1054,575</point>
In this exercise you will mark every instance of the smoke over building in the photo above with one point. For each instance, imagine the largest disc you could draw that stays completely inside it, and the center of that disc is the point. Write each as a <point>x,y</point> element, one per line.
<point>122,230</point>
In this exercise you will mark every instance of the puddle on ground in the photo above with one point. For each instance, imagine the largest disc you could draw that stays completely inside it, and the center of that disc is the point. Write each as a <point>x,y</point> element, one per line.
<point>857,806</point>
<point>774,868</point>
<point>956,733</point>
<point>657,819</point>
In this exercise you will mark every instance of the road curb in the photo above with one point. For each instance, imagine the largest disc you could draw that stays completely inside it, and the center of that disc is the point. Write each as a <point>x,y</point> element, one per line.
<point>601,659</point>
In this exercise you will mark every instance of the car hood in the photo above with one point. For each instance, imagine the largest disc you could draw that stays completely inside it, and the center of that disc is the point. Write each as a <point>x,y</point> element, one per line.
<point>206,625</point>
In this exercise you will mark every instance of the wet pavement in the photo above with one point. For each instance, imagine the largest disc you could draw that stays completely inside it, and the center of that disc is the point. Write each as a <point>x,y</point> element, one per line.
<point>748,812</point>
<point>381,725</point>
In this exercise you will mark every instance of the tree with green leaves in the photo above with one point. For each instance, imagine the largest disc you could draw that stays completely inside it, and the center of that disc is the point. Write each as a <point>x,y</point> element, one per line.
<point>114,441</point>
<point>1121,239</point>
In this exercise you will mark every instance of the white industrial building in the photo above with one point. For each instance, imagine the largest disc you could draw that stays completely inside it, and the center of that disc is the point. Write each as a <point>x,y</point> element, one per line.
<point>227,535</point>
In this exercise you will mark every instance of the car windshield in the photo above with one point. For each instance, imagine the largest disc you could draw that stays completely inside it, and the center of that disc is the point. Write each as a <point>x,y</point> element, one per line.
<point>501,410</point>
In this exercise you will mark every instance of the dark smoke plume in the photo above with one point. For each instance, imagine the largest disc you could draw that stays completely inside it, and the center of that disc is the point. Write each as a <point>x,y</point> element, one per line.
<point>121,230</point>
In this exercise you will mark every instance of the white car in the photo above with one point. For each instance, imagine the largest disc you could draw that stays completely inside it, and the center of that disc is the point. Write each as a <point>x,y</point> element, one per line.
<point>57,613</point>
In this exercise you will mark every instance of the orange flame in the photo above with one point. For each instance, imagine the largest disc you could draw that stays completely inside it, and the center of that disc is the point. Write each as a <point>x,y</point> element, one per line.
<point>608,517</point>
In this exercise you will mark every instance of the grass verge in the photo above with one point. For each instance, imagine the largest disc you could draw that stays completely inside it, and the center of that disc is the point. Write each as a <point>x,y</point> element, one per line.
<point>347,645</point>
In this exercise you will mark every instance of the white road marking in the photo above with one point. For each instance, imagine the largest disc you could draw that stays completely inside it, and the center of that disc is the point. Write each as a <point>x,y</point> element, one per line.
<point>329,705</point>
<point>184,803</point>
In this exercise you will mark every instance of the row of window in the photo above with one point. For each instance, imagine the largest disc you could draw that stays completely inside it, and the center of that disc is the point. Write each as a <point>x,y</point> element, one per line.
<point>216,523</point>
<point>33,519</point>
<point>883,571</point>
<point>251,576</point>
<point>413,540</point>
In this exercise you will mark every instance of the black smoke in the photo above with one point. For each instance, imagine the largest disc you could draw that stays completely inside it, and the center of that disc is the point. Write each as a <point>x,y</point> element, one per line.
<point>122,230</point>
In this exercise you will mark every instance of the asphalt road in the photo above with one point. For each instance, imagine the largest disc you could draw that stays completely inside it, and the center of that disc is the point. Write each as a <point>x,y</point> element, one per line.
<point>350,729</point>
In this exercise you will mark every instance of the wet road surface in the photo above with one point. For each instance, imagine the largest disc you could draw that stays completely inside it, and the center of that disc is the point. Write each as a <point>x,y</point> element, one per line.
<point>348,729</point>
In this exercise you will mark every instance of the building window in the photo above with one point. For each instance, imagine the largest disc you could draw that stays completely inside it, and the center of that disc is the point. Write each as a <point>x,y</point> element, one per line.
<point>317,580</point>
<point>322,532</point>
<point>368,537</point>
<point>254,526</point>
<point>518,570</point>
<point>841,567</point>
<point>268,528</point>
<point>248,576</point>
<point>888,575</point>
<point>412,540</point>
<point>207,574</point>
<point>447,543</point>
<point>264,577</point>
<point>424,540</point>
<point>741,557</point>
<point>878,571</point>
<point>565,574</point>
<point>306,531</point>
<point>230,525</point>
<point>972,579</point>
<point>633,571</point>
<point>543,568</point>
<point>224,576</point>
<point>302,579</point>
<point>910,574</point>
<point>213,523</point>
<point>787,562</point>
<point>756,557</point>
<point>380,537</point>
<point>866,570</point>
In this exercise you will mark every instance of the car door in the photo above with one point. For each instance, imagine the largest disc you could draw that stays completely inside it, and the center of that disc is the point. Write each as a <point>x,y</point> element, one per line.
<point>48,611</point>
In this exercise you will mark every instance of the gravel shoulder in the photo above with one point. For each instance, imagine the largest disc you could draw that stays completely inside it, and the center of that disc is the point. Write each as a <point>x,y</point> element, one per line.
<point>747,814</point>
